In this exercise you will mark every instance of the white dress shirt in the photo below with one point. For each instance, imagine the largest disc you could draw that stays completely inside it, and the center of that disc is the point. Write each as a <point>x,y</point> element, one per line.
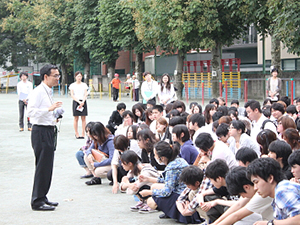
<point>24,89</point>
<point>40,100</point>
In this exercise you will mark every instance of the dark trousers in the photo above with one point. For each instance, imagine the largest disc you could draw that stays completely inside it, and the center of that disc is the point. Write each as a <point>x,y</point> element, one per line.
<point>136,94</point>
<point>121,174</point>
<point>215,212</point>
<point>22,107</point>
<point>42,141</point>
<point>115,94</point>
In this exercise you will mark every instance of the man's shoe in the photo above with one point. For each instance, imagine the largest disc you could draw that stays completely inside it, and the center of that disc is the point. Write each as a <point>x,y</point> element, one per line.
<point>44,208</point>
<point>94,180</point>
<point>29,129</point>
<point>52,203</point>
<point>21,129</point>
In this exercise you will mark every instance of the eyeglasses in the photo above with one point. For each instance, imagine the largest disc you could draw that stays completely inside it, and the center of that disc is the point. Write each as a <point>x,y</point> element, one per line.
<point>56,76</point>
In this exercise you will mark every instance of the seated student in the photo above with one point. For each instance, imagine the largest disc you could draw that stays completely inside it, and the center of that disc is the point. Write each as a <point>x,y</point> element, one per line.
<point>117,172</point>
<point>157,112</point>
<point>197,123</point>
<point>148,116</point>
<point>214,149</point>
<point>179,105</point>
<point>264,139</point>
<point>116,118</point>
<point>131,134</point>
<point>173,113</point>
<point>167,189</point>
<point>130,183</point>
<point>294,162</point>
<point>215,102</point>
<point>103,139</point>
<point>150,103</point>
<point>162,130</point>
<point>241,110</point>
<point>138,113</point>
<point>245,156</point>
<point>269,180</point>
<point>146,141</point>
<point>127,121</point>
<point>280,151</point>
<point>81,152</point>
<point>192,177</point>
<point>223,134</point>
<point>211,200</point>
<point>250,207</point>
<point>188,151</point>
<point>292,137</point>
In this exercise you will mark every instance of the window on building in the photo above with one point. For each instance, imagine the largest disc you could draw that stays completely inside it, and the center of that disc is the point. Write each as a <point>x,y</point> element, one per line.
<point>288,64</point>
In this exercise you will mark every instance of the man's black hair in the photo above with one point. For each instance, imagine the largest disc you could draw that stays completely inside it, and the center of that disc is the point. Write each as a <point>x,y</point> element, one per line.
<point>121,105</point>
<point>277,106</point>
<point>179,129</point>
<point>191,174</point>
<point>198,118</point>
<point>245,155</point>
<point>176,120</point>
<point>286,100</point>
<point>222,130</point>
<point>214,100</point>
<point>235,101</point>
<point>204,141</point>
<point>128,112</point>
<point>236,179</point>
<point>294,158</point>
<point>24,73</point>
<point>291,109</point>
<point>282,149</point>
<point>46,70</point>
<point>174,112</point>
<point>264,168</point>
<point>151,102</point>
<point>266,110</point>
<point>159,108</point>
<point>217,168</point>
<point>253,104</point>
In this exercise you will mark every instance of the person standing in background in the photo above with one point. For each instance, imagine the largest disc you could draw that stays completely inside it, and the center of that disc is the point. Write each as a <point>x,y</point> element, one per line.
<point>135,88</point>
<point>44,113</point>
<point>149,88</point>
<point>24,87</point>
<point>115,85</point>
<point>79,95</point>
<point>274,86</point>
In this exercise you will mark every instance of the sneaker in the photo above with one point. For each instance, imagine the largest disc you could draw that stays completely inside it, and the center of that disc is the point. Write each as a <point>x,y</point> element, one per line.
<point>21,129</point>
<point>146,209</point>
<point>94,180</point>
<point>137,207</point>
<point>29,129</point>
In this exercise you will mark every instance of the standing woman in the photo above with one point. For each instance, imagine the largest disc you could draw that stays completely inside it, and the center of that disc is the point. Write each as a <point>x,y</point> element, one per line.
<point>149,88</point>
<point>274,86</point>
<point>166,91</point>
<point>79,94</point>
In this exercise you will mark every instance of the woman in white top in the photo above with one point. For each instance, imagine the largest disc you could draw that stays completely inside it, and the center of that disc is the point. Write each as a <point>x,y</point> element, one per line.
<point>166,90</point>
<point>237,130</point>
<point>274,86</point>
<point>149,88</point>
<point>79,95</point>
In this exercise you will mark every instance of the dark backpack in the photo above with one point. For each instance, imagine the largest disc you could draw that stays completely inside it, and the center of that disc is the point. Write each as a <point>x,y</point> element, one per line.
<point>266,121</point>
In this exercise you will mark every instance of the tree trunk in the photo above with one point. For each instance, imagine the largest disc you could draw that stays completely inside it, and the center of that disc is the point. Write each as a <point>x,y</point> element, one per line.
<point>87,67</point>
<point>216,69</point>
<point>178,75</point>
<point>275,52</point>
<point>138,66</point>
<point>63,77</point>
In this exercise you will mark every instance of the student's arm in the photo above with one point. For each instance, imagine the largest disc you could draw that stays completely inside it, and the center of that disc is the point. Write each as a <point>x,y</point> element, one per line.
<point>183,208</point>
<point>295,220</point>
<point>234,217</point>
<point>115,186</point>
<point>200,197</point>
<point>208,205</point>
<point>235,207</point>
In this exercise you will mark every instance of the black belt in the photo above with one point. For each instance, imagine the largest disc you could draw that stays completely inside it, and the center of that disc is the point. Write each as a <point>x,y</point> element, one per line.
<point>44,126</point>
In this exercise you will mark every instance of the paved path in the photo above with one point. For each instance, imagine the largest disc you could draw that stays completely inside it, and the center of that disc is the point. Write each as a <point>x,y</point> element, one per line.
<point>79,203</point>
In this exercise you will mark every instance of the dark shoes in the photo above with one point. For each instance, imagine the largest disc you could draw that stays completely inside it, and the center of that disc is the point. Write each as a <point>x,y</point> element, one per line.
<point>94,180</point>
<point>163,216</point>
<point>52,203</point>
<point>44,208</point>
<point>86,176</point>
<point>79,137</point>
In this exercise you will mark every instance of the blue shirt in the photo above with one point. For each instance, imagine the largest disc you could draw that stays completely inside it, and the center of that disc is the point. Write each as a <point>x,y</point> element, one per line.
<point>189,152</point>
<point>286,203</point>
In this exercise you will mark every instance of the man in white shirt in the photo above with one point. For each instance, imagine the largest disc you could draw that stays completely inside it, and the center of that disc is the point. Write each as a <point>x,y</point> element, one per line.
<point>43,112</point>
<point>136,88</point>
<point>257,117</point>
<point>24,87</point>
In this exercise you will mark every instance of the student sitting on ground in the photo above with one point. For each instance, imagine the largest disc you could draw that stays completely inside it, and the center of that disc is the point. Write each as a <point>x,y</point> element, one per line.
<point>188,151</point>
<point>294,162</point>
<point>157,112</point>
<point>251,207</point>
<point>269,180</point>
<point>245,156</point>
<point>130,183</point>
<point>116,118</point>
<point>223,134</point>
<point>127,121</point>
<point>211,200</point>
<point>131,134</point>
<point>192,177</point>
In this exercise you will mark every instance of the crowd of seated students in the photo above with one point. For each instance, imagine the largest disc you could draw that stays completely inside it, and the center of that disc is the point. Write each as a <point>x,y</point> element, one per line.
<point>227,165</point>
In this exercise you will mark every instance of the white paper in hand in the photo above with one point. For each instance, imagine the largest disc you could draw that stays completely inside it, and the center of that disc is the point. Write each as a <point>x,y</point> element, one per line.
<point>79,109</point>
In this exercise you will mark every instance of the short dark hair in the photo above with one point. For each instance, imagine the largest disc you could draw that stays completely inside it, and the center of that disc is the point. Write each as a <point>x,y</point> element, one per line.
<point>281,149</point>
<point>204,141</point>
<point>121,105</point>
<point>46,70</point>
<point>24,73</point>
<point>174,112</point>
<point>179,104</point>
<point>217,168</point>
<point>121,142</point>
<point>277,106</point>
<point>236,179</point>
<point>264,167</point>
<point>235,101</point>
<point>159,108</point>
<point>214,100</point>
<point>151,102</point>
<point>286,100</point>
<point>274,70</point>
<point>291,109</point>
<point>179,129</point>
<point>222,130</point>
<point>191,174</point>
<point>138,107</point>
<point>253,104</point>
<point>239,125</point>
<point>245,155</point>
<point>294,158</point>
<point>198,118</point>
<point>176,120</point>
<point>128,112</point>
<point>266,110</point>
